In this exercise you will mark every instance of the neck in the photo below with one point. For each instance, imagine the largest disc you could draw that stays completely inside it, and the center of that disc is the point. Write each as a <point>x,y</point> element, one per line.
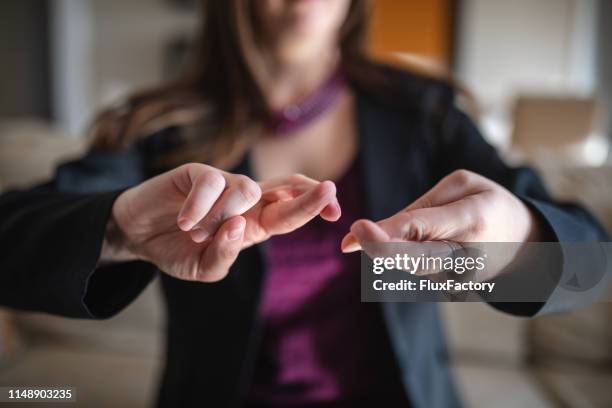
<point>290,82</point>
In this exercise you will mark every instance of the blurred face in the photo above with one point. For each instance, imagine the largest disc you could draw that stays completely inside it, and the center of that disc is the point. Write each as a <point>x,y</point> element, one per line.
<point>294,31</point>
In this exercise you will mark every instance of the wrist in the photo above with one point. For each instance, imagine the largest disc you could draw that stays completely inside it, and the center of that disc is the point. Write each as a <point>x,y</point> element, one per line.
<point>535,232</point>
<point>116,247</point>
<point>534,222</point>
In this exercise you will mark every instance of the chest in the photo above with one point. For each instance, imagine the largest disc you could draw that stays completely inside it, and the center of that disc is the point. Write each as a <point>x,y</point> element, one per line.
<point>323,150</point>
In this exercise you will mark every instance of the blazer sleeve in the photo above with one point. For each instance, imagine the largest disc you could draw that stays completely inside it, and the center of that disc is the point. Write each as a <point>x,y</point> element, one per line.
<point>51,237</point>
<point>461,146</point>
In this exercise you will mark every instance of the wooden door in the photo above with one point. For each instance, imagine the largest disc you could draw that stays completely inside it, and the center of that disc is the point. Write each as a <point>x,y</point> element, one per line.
<point>422,27</point>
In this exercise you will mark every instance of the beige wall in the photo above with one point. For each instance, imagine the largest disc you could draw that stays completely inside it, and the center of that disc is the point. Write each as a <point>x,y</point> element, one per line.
<point>129,41</point>
<point>106,48</point>
<point>533,44</point>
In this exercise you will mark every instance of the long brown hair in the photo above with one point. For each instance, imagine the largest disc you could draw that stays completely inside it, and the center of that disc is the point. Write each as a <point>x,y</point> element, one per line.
<point>217,101</point>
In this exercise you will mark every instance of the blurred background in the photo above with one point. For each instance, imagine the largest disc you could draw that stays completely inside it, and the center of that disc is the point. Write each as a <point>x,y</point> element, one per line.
<point>541,73</point>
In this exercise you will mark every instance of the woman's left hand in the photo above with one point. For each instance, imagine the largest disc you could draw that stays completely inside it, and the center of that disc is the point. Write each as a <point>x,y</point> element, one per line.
<point>462,207</point>
<point>286,204</point>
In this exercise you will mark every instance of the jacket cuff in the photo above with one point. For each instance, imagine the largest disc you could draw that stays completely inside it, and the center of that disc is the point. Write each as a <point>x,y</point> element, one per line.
<point>576,249</point>
<point>550,231</point>
<point>83,288</point>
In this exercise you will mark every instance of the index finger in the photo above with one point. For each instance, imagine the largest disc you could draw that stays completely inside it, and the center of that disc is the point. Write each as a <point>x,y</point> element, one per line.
<point>289,215</point>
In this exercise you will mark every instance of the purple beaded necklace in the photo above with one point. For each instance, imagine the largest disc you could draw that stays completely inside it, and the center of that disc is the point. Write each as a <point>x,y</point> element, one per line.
<point>296,116</point>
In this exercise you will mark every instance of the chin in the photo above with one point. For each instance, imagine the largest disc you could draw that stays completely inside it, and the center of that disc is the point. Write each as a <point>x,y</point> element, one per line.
<point>305,27</point>
<point>309,17</point>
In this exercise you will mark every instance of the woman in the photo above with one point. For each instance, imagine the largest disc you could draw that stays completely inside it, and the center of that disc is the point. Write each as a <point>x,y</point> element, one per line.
<point>282,87</point>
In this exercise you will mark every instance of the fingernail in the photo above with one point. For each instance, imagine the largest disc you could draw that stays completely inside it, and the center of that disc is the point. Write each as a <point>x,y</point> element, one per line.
<point>337,206</point>
<point>235,233</point>
<point>352,247</point>
<point>199,234</point>
<point>349,244</point>
<point>184,223</point>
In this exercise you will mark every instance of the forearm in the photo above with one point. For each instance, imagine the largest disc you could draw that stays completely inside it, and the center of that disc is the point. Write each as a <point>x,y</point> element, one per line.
<point>52,244</point>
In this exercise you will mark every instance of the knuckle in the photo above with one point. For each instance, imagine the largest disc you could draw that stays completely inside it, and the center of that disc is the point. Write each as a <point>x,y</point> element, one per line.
<point>249,189</point>
<point>415,229</point>
<point>201,271</point>
<point>213,180</point>
<point>475,220</point>
<point>227,252</point>
<point>477,224</point>
<point>424,202</point>
<point>190,168</point>
<point>462,177</point>
<point>212,275</point>
<point>192,273</point>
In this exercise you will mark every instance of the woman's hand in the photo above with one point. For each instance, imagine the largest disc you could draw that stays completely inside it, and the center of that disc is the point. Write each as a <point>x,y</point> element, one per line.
<point>288,203</point>
<point>462,207</point>
<point>193,221</point>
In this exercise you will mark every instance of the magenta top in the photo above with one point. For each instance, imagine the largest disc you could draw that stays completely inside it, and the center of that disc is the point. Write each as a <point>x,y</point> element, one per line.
<point>320,345</point>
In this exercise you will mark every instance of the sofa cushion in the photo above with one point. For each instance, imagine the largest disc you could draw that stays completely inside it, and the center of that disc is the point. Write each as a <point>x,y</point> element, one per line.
<point>9,338</point>
<point>101,379</point>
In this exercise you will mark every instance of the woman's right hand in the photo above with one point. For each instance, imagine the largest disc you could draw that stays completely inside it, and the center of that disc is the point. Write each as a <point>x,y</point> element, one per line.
<point>191,222</point>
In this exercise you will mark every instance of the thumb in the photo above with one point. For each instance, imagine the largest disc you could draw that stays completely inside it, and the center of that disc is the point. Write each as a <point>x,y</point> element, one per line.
<point>363,231</point>
<point>447,222</point>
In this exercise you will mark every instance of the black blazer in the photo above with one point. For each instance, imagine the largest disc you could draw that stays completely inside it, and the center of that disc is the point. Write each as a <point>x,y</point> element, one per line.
<point>409,139</point>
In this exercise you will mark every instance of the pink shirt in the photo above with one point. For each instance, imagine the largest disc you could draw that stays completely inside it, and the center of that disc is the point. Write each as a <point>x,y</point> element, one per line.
<point>320,344</point>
